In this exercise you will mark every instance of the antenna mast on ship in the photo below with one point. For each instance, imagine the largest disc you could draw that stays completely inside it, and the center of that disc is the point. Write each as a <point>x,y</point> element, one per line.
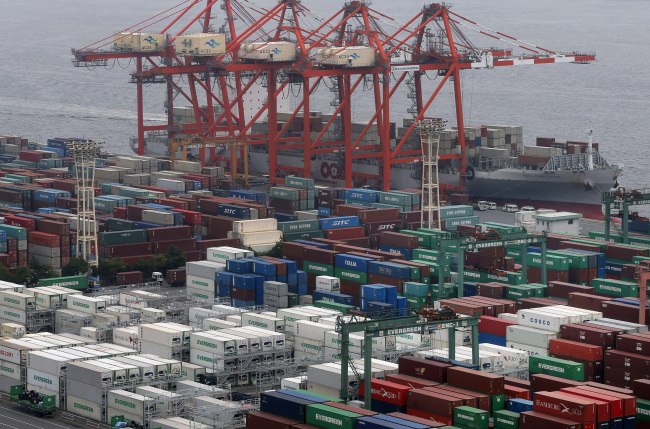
<point>590,157</point>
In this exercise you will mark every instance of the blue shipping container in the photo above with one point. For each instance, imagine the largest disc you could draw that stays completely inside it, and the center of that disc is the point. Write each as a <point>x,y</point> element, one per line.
<point>283,405</point>
<point>282,217</point>
<point>519,405</point>
<point>352,262</point>
<point>402,422</point>
<point>373,292</point>
<point>362,195</point>
<point>389,269</point>
<point>497,340</point>
<point>324,295</point>
<point>234,211</point>
<point>397,250</point>
<point>324,211</point>
<point>312,243</point>
<point>339,222</point>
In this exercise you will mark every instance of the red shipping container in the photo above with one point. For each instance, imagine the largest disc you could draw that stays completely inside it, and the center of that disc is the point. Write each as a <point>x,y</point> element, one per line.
<point>629,401</point>
<point>358,241</point>
<point>490,384</point>
<point>483,402</point>
<point>615,404</point>
<point>494,325</point>
<point>575,349</point>
<point>119,212</point>
<point>587,301</point>
<point>562,290</point>
<point>262,420</point>
<point>342,233</point>
<point>437,419</point>
<point>189,217</point>
<point>130,277</point>
<point>169,233</point>
<point>173,202</point>
<point>589,335</point>
<point>23,222</point>
<point>386,391</point>
<point>121,250</point>
<point>641,389</point>
<point>634,343</point>
<point>377,215</point>
<point>43,239</point>
<point>468,400</point>
<point>423,368</point>
<point>550,383</point>
<point>491,290</point>
<point>437,404</point>
<point>184,244</point>
<point>621,251</point>
<point>523,384</point>
<point>400,240</point>
<point>514,392</point>
<point>537,420</point>
<point>365,413</point>
<point>621,311</point>
<point>321,256</point>
<point>412,382</point>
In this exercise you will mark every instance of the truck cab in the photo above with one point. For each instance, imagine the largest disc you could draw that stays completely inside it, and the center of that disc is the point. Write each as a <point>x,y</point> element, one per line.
<point>157,277</point>
<point>93,283</point>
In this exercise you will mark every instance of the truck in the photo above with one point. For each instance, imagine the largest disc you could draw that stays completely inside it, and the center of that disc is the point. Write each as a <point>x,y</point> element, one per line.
<point>32,401</point>
<point>71,282</point>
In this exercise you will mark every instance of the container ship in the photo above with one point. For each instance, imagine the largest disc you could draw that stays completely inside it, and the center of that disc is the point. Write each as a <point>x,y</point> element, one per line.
<point>500,167</point>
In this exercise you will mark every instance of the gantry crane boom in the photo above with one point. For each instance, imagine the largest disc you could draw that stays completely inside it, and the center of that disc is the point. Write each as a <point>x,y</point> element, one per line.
<point>432,41</point>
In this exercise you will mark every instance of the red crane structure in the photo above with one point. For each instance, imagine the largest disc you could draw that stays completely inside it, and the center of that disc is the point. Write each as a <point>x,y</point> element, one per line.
<point>323,52</point>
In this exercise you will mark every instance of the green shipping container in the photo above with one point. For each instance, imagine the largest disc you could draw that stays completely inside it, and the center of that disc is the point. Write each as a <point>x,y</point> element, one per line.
<point>519,292</point>
<point>431,256</point>
<point>575,260</point>
<point>556,367</point>
<point>643,410</point>
<point>557,263</point>
<point>447,212</point>
<point>416,301</point>
<point>343,308</point>
<point>16,232</point>
<point>502,227</point>
<point>303,235</point>
<point>540,289</point>
<point>387,206</point>
<point>615,288</point>
<point>471,417</point>
<point>71,282</point>
<point>284,193</point>
<point>639,241</point>
<point>600,236</point>
<point>404,200</point>
<point>318,269</point>
<point>416,289</point>
<point>351,202</point>
<point>505,419</point>
<point>298,225</point>
<point>498,402</point>
<point>355,276</point>
<point>299,182</point>
<point>123,237</point>
<point>326,417</point>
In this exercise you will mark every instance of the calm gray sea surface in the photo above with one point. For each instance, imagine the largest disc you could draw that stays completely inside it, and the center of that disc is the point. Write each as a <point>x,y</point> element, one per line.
<point>42,95</point>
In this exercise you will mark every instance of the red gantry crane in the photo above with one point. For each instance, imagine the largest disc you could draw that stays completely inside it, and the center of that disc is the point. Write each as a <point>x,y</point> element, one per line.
<point>287,47</point>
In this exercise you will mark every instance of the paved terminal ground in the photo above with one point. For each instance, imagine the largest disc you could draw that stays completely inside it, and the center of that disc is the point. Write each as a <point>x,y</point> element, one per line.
<point>11,417</point>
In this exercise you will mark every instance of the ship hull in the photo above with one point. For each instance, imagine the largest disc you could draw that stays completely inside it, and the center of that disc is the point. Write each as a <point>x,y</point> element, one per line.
<point>560,190</point>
